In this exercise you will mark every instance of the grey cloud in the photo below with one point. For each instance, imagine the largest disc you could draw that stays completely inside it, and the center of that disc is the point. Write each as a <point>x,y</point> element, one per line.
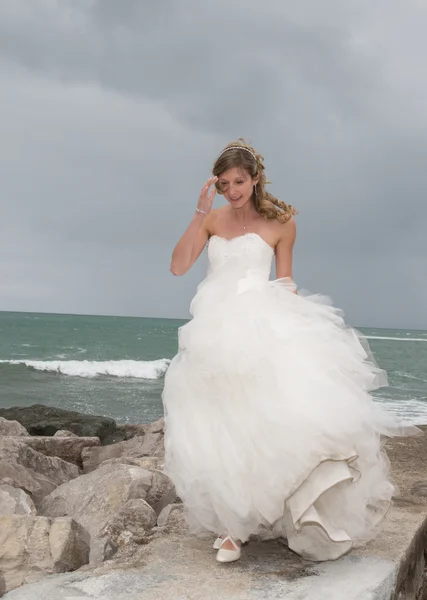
<point>116,111</point>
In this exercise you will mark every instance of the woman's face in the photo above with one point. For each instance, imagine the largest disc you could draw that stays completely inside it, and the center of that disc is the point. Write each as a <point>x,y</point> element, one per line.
<point>237,186</point>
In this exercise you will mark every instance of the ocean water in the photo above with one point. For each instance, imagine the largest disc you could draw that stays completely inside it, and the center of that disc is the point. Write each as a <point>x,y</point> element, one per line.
<point>114,366</point>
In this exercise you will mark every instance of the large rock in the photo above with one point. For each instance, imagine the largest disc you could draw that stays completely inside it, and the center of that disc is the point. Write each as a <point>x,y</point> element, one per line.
<point>172,519</point>
<point>64,433</point>
<point>150,444</point>
<point>12,428</point>
<point>47,420</point>
<point>31,547</point>
<point>148,462</point>
<point>180,566</point>
<point>69,448</point>
<point>14,501</point>
<point>129,430</point>
<point>132,524</point>
<point>37,474</point>
<point>95,499</point>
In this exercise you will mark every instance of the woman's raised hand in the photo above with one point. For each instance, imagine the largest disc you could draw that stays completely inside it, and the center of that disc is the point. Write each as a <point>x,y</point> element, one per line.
<point>204,204</point>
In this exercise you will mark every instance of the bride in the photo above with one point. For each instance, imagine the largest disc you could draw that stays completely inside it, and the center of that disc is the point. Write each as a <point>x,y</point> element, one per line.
<point>269,420</point>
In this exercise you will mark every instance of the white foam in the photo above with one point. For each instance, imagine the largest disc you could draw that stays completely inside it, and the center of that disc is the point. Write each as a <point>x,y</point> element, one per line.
<point>85,368</point>
<point>410,376</point>
<point>411,410</point>
<point>395,339</point>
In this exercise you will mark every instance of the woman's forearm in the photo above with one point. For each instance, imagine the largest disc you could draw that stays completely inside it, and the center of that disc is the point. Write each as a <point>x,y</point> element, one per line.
<point>186,251</point>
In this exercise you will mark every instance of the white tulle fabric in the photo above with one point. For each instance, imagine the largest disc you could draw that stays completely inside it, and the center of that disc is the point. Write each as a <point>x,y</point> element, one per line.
<point>269,422</point>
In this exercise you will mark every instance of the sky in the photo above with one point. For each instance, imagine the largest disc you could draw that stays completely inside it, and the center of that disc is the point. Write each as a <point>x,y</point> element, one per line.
<point>112,114</point>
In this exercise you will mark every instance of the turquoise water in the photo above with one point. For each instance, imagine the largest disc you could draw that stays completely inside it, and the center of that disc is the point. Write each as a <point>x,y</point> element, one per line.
<point>114,366</point>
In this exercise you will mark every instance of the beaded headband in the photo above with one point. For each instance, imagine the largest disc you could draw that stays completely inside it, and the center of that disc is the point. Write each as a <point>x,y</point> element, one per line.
<point>237,148</point>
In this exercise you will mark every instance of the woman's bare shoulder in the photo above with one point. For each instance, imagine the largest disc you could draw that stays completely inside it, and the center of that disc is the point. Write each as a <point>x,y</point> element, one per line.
<point>216,215</point>
<point>278,231</point>
<point>287,231</point>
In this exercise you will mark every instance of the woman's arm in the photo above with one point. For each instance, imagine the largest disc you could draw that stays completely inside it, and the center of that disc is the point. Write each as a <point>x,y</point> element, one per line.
<point>191,244</point>
<point>284,249</point>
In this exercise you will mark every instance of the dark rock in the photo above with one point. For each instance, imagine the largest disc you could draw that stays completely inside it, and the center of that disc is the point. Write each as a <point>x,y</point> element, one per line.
<point>39,419</point>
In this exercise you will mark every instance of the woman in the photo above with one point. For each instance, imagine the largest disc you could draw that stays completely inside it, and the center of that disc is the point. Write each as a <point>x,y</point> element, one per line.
<point>269,421</point>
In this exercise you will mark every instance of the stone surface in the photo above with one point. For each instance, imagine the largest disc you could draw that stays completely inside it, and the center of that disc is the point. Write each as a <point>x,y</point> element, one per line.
<point>31,547</point>
<point>172,519</point>
<point>96,498</point>
<point>129,431</point>
<point>148,462</point>
<point>37,474</point>
<point>64,433</point>
<point>12,428</point>
<point>162,491</point>
<point>150,444</point>
<point>157,426</point>
<point>179,567</point>
<point>39,419</point>
<point>182,569</point>
<point>14,501</point>
<point>131,525</point>
<point>69,448</point>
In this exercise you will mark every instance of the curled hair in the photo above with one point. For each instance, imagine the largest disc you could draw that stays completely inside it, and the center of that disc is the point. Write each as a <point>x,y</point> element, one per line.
<point>242,156</point>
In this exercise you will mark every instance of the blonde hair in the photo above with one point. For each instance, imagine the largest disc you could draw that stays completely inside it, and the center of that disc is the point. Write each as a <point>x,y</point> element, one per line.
<point>241,155</point>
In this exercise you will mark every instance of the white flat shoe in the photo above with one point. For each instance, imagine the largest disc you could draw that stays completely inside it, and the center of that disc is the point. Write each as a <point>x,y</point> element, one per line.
<point>218,543</point>
<point>224,555</point>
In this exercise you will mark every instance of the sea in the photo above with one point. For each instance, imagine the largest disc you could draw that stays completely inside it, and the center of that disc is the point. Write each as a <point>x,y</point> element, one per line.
<point>115,366</point>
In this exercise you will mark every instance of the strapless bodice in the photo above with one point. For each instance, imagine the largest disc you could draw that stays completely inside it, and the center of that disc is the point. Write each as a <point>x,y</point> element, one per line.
<point>241,254</point>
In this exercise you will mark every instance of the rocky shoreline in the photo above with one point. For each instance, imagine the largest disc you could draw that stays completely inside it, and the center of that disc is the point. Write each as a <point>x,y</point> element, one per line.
<point>86,510</point>
<point>77,489</point>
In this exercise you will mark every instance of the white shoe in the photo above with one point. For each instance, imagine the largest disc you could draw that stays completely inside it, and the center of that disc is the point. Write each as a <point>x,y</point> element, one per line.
<point>224,555</point>
<point>218,543</point>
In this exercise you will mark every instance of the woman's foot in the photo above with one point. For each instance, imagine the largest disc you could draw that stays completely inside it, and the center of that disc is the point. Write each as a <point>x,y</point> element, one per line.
<point>229,551</point>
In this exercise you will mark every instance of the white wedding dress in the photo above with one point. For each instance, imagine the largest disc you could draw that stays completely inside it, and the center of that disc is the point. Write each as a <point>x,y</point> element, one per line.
<point>269,422</point>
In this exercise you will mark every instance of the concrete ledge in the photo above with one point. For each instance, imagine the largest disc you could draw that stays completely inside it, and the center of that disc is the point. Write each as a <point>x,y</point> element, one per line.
<point>177,567</point>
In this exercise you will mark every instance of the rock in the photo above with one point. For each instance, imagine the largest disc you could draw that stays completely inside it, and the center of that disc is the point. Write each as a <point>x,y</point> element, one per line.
<point>129,431</point>
<point>172,519</point>
<point>95,499</point>
<point>64,433</point>
<point>2,585</point>
<point>157,426</point>
<point>47,420</point>
<point>132,524</point>
<point>68,448</point>
<point>150,462</point>
<point>31,547</point>
<point>162,492</point>
<point>36,485</point>
<point>180,566</point>
<point>12,428</point>
<point>14,501</point>
<point>150,444</point>
<point>35,473</point>
<point>419,489</point>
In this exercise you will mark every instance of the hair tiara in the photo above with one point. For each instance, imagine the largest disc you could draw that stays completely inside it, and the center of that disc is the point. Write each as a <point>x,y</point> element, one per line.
<point>237,148</point>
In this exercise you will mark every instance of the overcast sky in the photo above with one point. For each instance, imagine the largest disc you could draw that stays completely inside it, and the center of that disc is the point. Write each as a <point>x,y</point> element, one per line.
<point>112,113</point>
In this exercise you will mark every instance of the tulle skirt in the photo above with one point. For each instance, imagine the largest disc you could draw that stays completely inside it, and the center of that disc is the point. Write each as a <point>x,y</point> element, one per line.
<point>270,426</point>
